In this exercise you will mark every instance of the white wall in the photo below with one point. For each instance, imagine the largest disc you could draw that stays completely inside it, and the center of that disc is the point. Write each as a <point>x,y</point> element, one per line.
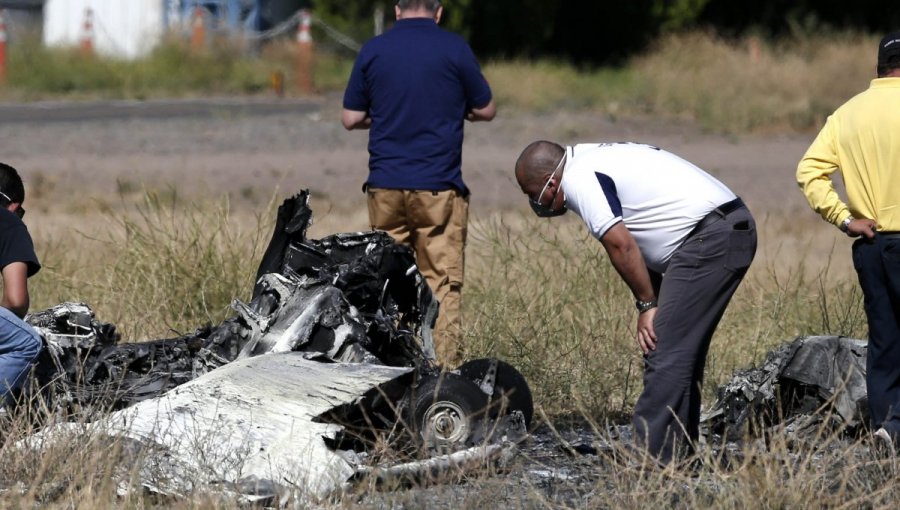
<point>122,28</point>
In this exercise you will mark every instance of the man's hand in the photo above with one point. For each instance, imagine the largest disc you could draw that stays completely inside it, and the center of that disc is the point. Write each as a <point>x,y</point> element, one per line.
<point>861,227</point>
<point>646,336</point>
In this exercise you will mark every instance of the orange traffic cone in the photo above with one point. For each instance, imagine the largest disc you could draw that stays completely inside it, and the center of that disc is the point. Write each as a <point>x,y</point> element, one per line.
<point>87,33</point>
<point>305,53</point>
<point>198,31</point>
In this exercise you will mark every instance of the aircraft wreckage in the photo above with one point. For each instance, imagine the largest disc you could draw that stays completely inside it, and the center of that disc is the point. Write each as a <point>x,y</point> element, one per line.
<point>333,353</point>
<point>823,376</point>
<point>282,401</point>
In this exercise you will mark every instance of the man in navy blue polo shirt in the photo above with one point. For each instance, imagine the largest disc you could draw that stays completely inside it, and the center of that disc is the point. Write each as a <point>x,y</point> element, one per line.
<point>412,87</point>
<point>19,342</point>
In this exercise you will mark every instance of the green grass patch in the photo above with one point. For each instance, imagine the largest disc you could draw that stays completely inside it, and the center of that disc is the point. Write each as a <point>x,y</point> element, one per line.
<point>173,69</point>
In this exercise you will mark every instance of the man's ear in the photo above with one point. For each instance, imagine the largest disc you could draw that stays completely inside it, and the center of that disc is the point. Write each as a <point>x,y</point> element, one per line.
<point>438,13</point>
<point>397,12</point>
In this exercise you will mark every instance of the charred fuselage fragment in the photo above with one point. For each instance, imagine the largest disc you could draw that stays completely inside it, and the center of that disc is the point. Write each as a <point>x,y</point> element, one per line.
<point>814,375</point>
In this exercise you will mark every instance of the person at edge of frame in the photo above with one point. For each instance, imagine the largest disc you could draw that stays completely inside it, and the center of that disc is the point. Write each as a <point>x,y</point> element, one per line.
<point>861,140</point>
<point>681,241</point>
<point>20,344</point>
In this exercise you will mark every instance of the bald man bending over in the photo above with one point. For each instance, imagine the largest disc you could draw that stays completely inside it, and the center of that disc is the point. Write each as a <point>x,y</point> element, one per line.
<point>681,241</point>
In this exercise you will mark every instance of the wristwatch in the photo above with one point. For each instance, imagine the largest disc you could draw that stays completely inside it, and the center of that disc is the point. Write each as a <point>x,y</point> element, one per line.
<point>845,225</point>
<point>643,306</point>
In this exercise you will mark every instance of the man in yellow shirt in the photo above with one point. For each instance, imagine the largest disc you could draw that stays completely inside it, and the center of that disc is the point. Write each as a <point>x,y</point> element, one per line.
<point>861,139</point>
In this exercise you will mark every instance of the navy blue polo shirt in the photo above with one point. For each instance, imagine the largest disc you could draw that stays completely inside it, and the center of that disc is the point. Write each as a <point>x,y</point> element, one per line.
<point>416,81</point>
<point>15,242</point>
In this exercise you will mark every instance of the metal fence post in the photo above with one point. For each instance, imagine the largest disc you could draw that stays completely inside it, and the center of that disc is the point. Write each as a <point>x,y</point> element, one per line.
<point>305,53</point>
<point>2,47</point>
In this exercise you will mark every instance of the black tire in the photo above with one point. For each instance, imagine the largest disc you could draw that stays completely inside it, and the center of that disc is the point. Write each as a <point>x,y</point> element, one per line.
<point>511,391</point>
<point>446,411</point>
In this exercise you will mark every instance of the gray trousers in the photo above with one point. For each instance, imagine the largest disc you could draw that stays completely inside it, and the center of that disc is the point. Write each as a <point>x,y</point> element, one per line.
<point>698,284</point>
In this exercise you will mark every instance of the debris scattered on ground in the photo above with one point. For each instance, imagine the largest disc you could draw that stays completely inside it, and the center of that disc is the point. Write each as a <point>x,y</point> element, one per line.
<point>811,375</point>
<point>333,350</point>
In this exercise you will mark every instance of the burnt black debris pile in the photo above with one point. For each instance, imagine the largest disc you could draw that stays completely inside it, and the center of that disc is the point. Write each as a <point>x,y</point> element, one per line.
<point>815,376</point>
<point>355,298</point>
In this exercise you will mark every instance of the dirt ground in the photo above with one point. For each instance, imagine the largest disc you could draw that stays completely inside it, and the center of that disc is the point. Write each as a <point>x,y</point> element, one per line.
<point>239,153</point>
<point>260,154</point>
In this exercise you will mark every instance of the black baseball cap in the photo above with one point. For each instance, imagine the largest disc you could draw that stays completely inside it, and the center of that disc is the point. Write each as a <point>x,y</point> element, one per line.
<point>889,49</point>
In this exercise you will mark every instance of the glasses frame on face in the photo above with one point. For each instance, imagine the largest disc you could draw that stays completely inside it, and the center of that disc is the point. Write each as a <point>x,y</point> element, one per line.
<point>540,196</point>
<point>20,211</point>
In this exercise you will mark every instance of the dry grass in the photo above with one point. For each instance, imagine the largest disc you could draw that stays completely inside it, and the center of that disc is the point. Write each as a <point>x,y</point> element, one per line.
<point>539,294</point>
<point>753,84</point>
<point>735,86</point>
<point>158,269</point>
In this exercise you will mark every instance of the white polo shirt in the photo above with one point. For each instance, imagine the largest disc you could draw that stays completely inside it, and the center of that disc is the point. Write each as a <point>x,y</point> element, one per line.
<point>659,196</point>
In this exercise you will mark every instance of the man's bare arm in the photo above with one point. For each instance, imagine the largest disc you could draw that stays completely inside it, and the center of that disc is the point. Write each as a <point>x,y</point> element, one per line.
<point>626,257</point>
<point>15,288</point>
<point>353,119</point>
<point>485,113</point>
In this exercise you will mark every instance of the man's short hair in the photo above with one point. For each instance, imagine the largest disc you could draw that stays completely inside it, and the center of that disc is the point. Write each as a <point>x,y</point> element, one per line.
<point>885,69</point>
<point>429,5</point>
<point>11,184</point>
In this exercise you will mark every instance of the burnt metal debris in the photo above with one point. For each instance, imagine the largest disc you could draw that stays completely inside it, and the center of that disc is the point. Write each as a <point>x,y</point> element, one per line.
<point>814,375</point>
<point>344,302</point>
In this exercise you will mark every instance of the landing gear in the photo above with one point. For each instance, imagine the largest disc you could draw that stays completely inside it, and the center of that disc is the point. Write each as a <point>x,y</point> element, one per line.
<point>484,400</point>
<point>503,384</point>
<point>447,410</point>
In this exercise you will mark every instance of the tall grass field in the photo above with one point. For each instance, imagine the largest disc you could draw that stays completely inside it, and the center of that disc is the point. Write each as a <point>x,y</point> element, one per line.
<point>541,295</point>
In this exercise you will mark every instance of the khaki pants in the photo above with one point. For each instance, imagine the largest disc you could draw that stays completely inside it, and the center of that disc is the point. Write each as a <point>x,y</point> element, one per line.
<point>433,224</point>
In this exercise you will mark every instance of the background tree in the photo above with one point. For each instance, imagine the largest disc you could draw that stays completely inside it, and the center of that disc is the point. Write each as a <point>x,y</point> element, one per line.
<point>601,32</point>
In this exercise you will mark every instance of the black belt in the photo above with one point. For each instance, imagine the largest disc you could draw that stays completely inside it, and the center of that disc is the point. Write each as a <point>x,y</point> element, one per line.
<point>888,235</point>
<point>717,214</point>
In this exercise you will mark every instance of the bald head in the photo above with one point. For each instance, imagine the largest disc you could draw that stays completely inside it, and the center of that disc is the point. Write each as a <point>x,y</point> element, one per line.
<point>537,161</point>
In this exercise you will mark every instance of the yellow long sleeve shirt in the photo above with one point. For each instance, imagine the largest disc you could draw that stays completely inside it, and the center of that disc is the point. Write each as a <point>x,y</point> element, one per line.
<point>861,139</point>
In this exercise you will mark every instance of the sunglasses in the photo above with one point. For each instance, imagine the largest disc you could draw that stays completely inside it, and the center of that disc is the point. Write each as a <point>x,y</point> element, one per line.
<point>547,211</point>
<point>20,211</point>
